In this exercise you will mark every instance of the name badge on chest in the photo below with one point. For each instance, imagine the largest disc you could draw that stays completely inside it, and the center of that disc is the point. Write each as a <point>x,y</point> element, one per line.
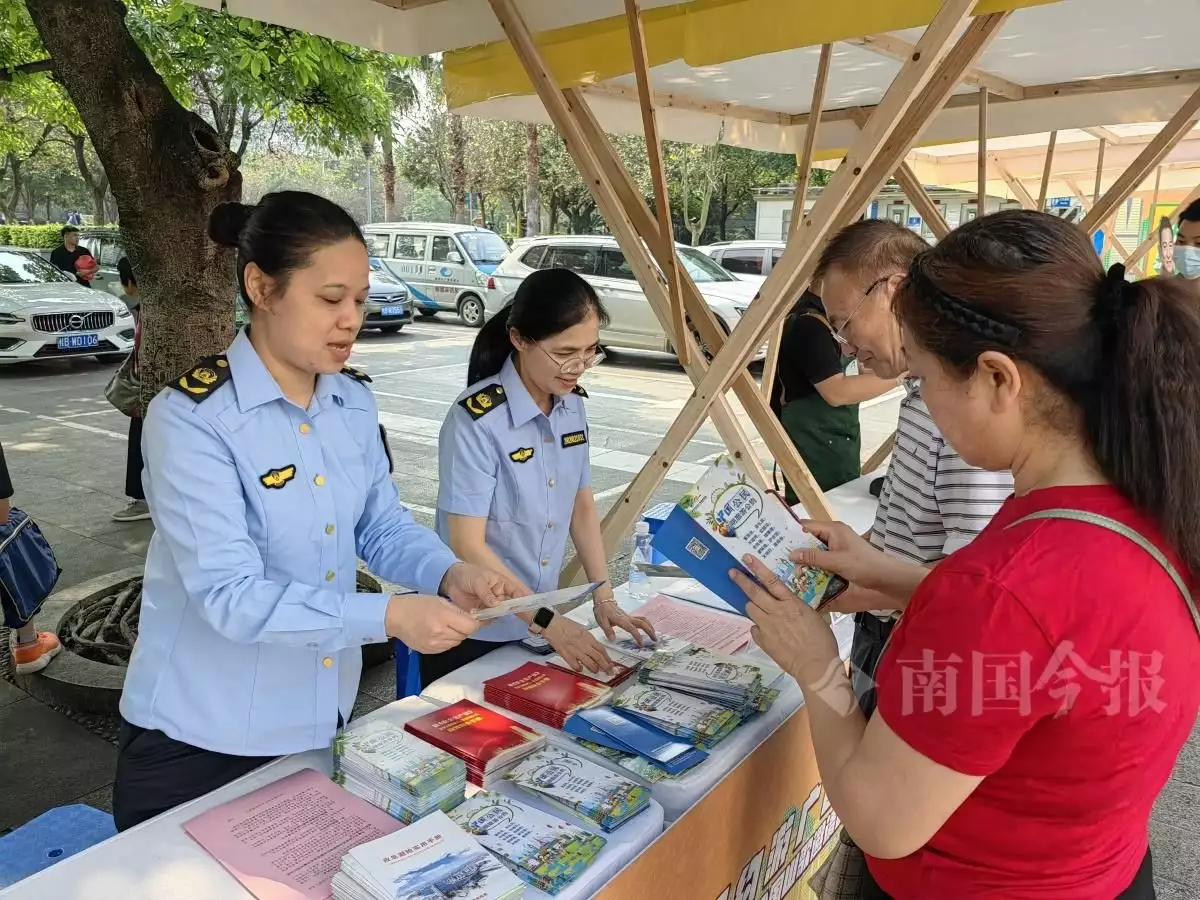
<point>574,439</point>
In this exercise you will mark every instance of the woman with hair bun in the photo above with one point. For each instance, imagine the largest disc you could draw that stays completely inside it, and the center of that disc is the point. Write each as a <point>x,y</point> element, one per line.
<point>267,477</point>
<point>514,477</point>
<point>1038,689</point>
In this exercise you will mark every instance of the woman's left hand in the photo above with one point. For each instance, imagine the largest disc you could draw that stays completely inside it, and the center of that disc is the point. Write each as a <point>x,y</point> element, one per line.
<point>470,587</point>
<point>610,617</point>
<point>785,627</point>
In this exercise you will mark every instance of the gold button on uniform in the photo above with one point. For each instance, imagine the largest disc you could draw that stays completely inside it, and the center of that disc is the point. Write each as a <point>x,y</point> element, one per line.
<point>549,526</point>
<point>305,428</point>
<point>551,482</point>
<point>319,480</point>
<point>329,528</point>
<point>330,575</point>
<point>327,662</point>
<point>545,562</point>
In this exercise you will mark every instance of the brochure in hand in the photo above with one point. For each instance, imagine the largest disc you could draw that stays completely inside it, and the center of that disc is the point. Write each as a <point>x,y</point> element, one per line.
<point>383,764</point>
<point>433,859</point>
<point>734,682</point>
<point>578,786</point>
<point>484,739</point>
<point>726,516</point>
<point>544,693</point>
<point>697,721</point>
<point>542,850</point>
<point>550,600</point>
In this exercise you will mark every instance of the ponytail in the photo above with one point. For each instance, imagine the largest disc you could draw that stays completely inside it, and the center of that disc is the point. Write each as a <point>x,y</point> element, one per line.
<point>491,348</point>
<point>548,302</point>
<point>1143,422</point>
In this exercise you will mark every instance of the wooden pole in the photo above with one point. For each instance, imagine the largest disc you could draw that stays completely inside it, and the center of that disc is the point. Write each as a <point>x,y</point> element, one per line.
<point>1154,152</point>
<point>1023,196</point>
<point>1111,236</point>
<point>1041,204</point>
<point>1099,170</point>
<point>916,193</point>
<point>803,173</point>
<point>981,194</point>
<point>881,453</point>
<point>667,256</point>
<point>923,84</point>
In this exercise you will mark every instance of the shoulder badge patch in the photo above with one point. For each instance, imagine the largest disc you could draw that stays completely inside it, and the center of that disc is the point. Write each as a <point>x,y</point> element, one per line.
<point>200,383</point>
<point>525,454</point>
<point>356,374</point>
<point>578,389</point>
<point>277,478</point>
<point>574,439</point>
<point>484,401</point>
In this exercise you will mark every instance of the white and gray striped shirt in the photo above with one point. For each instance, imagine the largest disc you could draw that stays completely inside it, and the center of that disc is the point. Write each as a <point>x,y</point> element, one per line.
<point>932,502</point>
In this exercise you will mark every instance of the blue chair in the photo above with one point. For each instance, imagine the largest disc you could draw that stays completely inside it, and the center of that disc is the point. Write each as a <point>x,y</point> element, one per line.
<point>51,838</point>
<point>408,671</point>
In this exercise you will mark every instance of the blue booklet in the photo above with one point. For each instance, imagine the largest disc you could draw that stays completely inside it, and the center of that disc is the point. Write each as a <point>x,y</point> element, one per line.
<point>606,726</point>
<point>725,516</point>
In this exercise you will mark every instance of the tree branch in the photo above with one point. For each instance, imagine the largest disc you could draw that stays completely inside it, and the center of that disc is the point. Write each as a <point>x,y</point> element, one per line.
<point>29,68</point>
<point>248,126</point>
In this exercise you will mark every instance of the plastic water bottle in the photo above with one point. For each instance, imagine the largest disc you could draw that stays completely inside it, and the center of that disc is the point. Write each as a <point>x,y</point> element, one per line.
<point>639,581</point>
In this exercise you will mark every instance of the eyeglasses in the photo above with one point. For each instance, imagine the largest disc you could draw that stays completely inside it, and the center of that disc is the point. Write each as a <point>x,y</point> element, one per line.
<point>838,333</point>
<point>574,365</point>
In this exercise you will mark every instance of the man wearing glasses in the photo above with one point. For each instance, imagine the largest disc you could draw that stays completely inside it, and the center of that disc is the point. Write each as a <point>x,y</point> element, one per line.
<point>932,503</point>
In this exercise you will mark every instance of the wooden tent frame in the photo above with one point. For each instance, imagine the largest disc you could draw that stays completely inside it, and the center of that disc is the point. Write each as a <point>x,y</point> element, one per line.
<point>930,71</point>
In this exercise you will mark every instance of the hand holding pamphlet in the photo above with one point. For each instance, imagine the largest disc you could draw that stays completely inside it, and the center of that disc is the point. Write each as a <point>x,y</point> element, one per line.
<point>549,599</point>
<point>724,517</point>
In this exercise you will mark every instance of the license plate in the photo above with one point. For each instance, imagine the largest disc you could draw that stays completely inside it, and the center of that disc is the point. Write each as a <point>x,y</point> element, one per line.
<point>392,311</point>
<point>78,341</point>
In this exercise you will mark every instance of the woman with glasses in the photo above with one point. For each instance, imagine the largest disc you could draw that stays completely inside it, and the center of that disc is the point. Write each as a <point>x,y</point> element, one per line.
<point>514,476</point>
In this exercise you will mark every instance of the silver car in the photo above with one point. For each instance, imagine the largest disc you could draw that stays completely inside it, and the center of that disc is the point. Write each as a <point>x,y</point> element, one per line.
<point>46,314</point>
<point>602,264</point>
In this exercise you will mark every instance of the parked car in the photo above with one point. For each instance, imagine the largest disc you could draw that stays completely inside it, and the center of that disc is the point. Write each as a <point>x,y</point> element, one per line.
<point>46,314</point>
<point>388,306</point>
<point>445,267</point>
<point>748,260</point>
<point>602,263</point>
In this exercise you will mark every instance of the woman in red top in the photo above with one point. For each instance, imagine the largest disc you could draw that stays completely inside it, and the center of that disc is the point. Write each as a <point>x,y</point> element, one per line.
<point>1042,680</point>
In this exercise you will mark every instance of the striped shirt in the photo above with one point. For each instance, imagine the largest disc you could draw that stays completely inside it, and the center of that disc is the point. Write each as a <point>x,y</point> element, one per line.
<point>932,502</point>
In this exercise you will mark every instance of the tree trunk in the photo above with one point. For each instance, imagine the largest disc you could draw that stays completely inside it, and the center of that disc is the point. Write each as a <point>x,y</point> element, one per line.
<point>389,172</point>
<point>533,168</point>
<point>458,168</point>
<point>167,169</point>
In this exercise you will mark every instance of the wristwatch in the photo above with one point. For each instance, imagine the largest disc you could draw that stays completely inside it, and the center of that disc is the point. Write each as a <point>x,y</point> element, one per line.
<point>541,620</point>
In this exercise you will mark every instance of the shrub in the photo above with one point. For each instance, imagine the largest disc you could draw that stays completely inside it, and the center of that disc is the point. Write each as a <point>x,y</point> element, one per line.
<point>40,237</point>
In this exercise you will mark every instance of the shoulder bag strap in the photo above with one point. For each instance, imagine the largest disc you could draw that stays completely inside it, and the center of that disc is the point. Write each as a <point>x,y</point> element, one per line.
<point>1090,518</point>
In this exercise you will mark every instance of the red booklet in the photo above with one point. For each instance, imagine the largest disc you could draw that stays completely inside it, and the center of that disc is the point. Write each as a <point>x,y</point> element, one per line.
<point>482,738</point>
<point>545,693</point>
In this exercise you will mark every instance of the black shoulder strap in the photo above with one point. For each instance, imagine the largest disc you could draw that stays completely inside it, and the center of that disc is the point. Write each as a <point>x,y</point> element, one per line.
<point>202,381</point>
<point>484,400</point>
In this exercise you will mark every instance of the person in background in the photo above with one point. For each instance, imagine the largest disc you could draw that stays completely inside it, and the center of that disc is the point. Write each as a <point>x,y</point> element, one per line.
<point>932,502</point>
<point>514,476</point>
<point>67,255</point>
<point>1042,680</point>
<point>31,649</point>
<point>1187,242</point>
<point>137,510</point>
<point>268,480</point>
<point>816,400</point>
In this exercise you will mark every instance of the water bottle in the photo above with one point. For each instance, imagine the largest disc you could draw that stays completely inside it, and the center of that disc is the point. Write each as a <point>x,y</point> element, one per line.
<point>639,581</point>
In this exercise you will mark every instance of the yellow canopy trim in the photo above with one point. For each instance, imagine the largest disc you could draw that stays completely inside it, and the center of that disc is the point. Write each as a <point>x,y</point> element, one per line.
<point>701,33</point>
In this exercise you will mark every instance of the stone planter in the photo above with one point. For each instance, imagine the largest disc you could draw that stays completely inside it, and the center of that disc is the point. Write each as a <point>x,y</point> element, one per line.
<point>90,681</point>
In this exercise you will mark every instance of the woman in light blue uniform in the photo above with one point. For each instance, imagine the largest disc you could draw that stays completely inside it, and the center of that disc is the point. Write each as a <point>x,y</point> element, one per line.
<point>266,476</point>
<point>514,478</point>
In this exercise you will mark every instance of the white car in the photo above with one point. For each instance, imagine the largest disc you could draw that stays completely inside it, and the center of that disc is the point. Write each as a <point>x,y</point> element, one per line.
<point>602,263</point>
<point>46,314</point>
<point>748,260</point>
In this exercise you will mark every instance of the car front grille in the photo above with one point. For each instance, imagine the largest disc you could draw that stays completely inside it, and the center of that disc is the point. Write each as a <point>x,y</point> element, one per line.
<point>59,322</point>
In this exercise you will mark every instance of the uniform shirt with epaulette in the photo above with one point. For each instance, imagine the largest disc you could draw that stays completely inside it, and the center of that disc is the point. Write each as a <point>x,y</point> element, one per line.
<point>252,625</point>
<point>502,459</point>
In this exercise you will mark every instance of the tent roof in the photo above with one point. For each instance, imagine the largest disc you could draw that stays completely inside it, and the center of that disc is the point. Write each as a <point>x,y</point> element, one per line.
<point>741,71</point>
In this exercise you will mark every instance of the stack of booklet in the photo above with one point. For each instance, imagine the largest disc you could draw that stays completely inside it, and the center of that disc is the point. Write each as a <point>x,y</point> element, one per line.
<point>484,739</point>
<point>696,721</point>
<point>730,681</point>
<point>544,693</point>
<point>407,778</point>
<point>621,731</point>
<point>540,849</point>
<point>625,666</point>
<point>578,786</point>
<point>433,859</point>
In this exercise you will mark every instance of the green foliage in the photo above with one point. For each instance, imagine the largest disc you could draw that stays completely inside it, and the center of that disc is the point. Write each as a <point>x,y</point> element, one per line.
<point>39,237</point>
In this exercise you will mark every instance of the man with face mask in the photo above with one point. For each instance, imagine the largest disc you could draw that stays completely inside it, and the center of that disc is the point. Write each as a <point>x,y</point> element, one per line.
<point>932,503</point>
<point>1187,242</point>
